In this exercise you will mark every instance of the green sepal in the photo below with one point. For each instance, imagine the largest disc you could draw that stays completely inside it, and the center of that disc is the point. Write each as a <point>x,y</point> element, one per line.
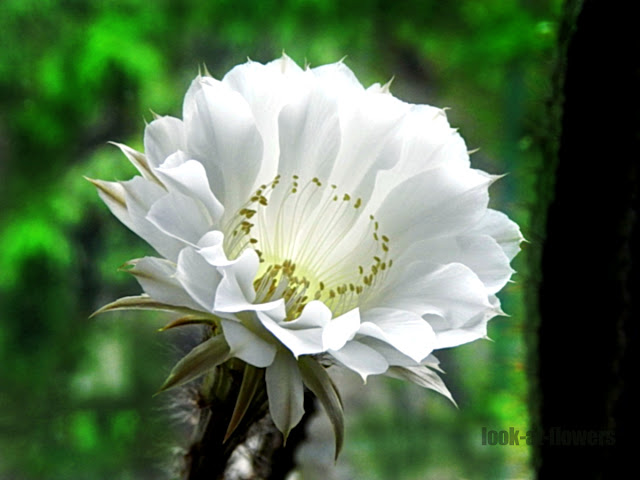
<point>316,378</point>
<point>423,376</point>
<point>188,320</point>
<point>145,302</point>
<point>110,190</point>
<point>251,380</point>
<point>139,160</point>
<point>285,390</point>
<point>197,362</point>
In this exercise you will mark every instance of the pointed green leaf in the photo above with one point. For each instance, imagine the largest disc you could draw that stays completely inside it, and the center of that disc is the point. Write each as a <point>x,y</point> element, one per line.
<point>317,379</point>
<point>145,302</point>
<point>286,392</point>
<point>251,380</point>
<point>422,376</point>
<point>200,360</point>
<point>188,320</point>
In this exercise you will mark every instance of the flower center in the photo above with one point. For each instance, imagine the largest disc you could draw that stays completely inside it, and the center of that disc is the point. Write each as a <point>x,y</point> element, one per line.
<point>314,243</point>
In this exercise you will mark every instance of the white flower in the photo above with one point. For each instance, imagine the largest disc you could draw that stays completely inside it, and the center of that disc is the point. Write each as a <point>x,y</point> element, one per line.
<point>314,220</point>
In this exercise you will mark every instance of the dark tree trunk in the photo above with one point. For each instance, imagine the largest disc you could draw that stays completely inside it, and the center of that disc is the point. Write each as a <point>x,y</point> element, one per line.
<point>588,301</point>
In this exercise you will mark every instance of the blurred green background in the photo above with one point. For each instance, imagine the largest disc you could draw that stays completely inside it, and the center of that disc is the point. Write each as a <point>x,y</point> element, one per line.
<point>76,394</point>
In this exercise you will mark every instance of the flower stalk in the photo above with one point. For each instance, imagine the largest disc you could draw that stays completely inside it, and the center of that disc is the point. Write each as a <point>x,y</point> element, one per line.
<point>210,450</point>
<point>221,430</point>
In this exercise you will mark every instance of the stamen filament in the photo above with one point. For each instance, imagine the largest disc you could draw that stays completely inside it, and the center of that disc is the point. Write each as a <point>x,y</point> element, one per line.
<point>298,248</point>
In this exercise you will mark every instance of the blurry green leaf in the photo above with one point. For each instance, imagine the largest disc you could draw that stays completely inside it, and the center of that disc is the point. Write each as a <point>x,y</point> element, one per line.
<point>28,237</point>
<point>124,426</point>
<point>84,430</point>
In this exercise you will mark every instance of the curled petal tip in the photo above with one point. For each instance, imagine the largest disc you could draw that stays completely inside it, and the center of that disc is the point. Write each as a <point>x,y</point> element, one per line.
<point>386,88</point>
<point>203,71</point>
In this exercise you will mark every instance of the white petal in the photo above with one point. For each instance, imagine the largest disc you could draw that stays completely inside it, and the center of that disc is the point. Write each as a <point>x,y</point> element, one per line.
<point>368,122</point>
<point>180,217</point>
<point>285,66</point>
<point>211,247</point>
<point>428,141</point>
<point>199,278</point>
<point>405,331</point>
<point>309,132</point>
<point>422,140</point>
<point>163,137</point>
<point>267,88</point>
<point>338,79</point>
<point>448,335</point>
<point>190,178</point>
<point>157,278</point>
<point>222,134</point>
<point>285,391</point>
<point>502,229</point>
<point>361,359</point>
<point>138,195</point>
<point>300,342</point>
<point>340,330</point>
<point>314,315</point>
<point>451,291</point>
<point>392,355</point>
<point>247,345</point>
<point>439,202</point>
<point>451,336</point>
<point>481,253</point>
<point>140,199</point>
<point>236,292</point>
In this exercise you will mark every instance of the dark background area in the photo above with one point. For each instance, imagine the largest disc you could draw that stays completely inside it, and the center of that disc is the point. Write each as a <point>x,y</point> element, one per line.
<point>589,262</point>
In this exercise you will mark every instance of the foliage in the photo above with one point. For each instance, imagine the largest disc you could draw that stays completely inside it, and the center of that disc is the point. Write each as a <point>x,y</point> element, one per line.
<point>75,397</point>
